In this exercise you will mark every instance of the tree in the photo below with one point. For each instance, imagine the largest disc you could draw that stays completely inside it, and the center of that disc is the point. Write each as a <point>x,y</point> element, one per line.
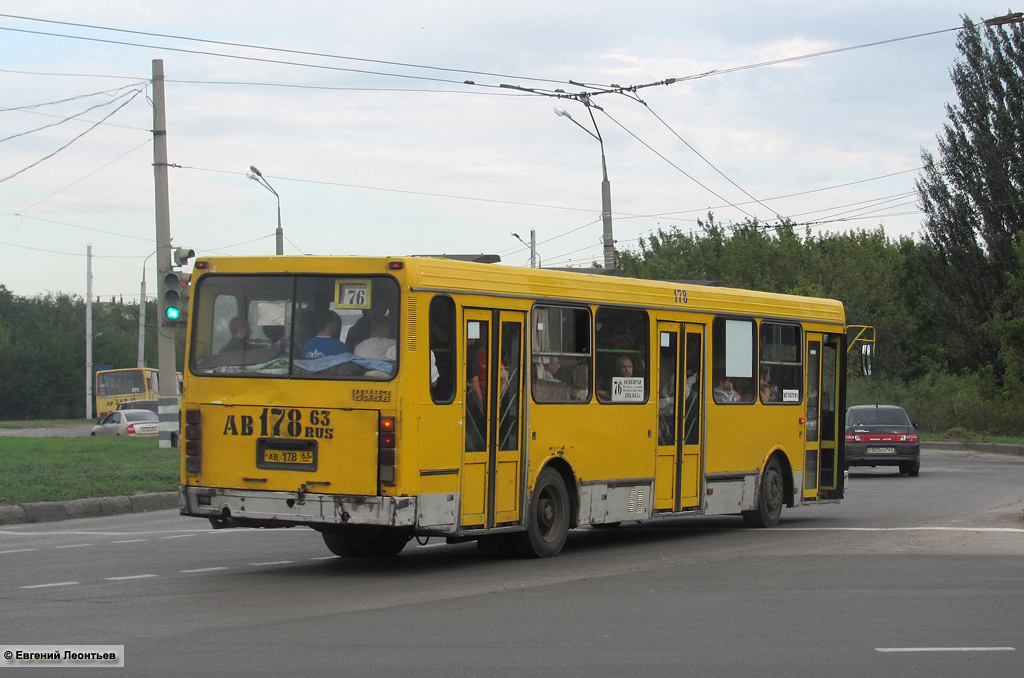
<point>973,195</point>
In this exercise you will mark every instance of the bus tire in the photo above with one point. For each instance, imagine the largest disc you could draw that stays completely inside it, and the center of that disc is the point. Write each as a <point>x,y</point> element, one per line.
<point>365,543</point>
<point>770,498</point>
<point>547,523</point>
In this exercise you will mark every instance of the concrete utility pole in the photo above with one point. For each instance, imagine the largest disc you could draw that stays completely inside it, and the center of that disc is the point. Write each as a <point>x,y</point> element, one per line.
<point>168,401</point>
<point>142,321</point>
<point>606,188</point>
<point>88,332</point>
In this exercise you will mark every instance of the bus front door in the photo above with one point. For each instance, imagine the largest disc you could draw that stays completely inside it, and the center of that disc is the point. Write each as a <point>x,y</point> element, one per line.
<point>823,472</point>
<point>678,464</point>
<point>492,460</point>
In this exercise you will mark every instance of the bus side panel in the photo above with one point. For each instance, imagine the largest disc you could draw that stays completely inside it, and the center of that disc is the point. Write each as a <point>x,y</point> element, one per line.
<point>741,436</point>
<point>600,442</point>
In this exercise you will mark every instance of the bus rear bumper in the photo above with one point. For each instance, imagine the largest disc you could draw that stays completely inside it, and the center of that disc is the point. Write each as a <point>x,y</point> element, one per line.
<point>254,508</point>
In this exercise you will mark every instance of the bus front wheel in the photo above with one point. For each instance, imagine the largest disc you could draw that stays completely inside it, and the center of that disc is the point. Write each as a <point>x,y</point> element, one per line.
<point>769,499</point>
<point>548,521</point>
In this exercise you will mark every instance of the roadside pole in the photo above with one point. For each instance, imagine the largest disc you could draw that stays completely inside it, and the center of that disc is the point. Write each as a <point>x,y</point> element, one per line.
<point>168,400</point>
<point>88,332</point>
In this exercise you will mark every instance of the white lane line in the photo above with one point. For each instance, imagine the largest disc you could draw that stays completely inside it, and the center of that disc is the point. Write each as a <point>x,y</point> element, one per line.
<point>17,551</point>
<point>46,586</point>
<point>127,541</point>
<point>324,558</point>
<point>178,536</point>
<point>945,649</point>
<point>71,546</point>
<point>202,569</point>
<point>131,576</point>
<point>275,562</point>
<point>1017,530</point>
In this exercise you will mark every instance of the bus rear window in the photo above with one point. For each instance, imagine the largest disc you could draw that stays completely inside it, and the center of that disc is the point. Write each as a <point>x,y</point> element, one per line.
<point>318,327</point>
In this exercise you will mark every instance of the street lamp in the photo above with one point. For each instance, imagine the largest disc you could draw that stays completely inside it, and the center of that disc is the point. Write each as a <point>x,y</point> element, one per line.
<point>534,259</point>
<point>258,177</point>
<point>606,188</point>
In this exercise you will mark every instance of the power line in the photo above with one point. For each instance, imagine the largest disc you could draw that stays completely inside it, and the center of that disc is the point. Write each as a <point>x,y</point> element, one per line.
<point>239,57</point>
<point>677,167</point>
<point>62,120</point>
<point>281,50</point>
<point>76,138</point>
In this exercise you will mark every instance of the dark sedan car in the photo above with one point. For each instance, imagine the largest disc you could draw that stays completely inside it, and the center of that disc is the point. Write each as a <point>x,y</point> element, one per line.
<point>882,435</point>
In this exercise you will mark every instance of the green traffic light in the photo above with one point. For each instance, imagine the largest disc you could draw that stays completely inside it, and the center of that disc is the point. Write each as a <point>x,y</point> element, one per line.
<point>173,313</point>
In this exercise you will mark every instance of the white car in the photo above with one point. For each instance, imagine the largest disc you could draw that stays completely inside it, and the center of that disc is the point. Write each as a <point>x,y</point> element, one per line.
<point>128,423</point>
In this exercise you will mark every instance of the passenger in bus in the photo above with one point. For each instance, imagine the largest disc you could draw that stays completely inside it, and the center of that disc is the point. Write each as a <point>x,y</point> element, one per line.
<point>274,333</point>
<point>623,368</point>
<point>724,391</point>
<point>769,392</point>
<point>379,345</point>
<point>240,332</point>
<point>552,370</point>
<point>324,343</point>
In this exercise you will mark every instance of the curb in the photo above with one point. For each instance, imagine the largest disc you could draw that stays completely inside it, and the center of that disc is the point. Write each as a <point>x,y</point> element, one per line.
<point>48,512</point>
<point>994,448</point>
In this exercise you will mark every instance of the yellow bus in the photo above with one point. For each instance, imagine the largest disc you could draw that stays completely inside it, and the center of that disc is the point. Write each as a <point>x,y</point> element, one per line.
<point>378,399</point>
<point>117,386</point>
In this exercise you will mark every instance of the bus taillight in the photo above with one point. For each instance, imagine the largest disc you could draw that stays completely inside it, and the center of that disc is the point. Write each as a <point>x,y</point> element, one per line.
<point>192,436</point>
<point>386,453</point>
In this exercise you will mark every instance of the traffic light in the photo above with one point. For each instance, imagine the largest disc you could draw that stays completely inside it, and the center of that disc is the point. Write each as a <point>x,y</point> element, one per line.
<point>174,289</point>
<point>174,292</point>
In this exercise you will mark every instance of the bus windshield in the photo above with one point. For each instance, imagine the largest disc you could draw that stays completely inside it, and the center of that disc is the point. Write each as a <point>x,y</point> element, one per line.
<point>295,326</point>
<point>120,382</point>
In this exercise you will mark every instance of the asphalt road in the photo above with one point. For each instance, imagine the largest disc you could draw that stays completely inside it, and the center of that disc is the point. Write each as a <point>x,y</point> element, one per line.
<point>68,431</point>
<point>907,577</point>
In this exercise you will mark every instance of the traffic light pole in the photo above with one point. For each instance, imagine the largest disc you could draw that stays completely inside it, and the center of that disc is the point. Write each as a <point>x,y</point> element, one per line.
<point>168,400</point>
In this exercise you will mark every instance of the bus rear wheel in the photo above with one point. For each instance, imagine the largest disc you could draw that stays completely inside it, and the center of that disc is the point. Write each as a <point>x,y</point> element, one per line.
<point>769,499</point>
<point>365,543</point>
<point>548,520</point>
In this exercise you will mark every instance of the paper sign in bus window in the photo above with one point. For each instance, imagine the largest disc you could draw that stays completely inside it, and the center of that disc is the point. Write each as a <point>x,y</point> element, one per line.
<point>627,389</point>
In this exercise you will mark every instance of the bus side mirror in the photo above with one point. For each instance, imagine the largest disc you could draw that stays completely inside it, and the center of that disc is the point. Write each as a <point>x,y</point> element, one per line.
<point>865,359</point>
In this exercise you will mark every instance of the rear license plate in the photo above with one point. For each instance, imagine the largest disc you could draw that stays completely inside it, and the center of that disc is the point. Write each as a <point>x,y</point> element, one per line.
<point>285,454</point>
<point>881,450</point>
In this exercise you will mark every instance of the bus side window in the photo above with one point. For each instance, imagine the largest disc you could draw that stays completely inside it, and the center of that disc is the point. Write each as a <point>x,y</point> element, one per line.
<point>733,355</point>
<point>623,355</point>
<point>781,375</point>
<point>442,350</point>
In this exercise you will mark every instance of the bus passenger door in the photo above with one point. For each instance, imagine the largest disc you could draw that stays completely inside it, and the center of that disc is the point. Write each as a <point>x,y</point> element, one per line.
<point>492,457</point>
<point>812,445</point>
<point>830,418</point>
<point>680,417</point>
<point>692,380</point>
<point>669,455</point>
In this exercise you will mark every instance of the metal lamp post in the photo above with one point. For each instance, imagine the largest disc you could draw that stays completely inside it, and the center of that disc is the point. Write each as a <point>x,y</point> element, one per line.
<point>606,188</point>
<point>258,177</point>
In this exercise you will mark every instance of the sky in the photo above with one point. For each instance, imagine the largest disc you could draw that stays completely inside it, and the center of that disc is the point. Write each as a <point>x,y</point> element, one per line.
<point>385,129</point>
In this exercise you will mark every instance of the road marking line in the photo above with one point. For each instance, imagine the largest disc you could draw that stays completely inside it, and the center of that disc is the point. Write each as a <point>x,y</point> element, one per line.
<point>324,558</point>
<point>128,541</point>
<point>17,551</point>
<point>131,576</point>
<point>44,586</point>
<point>275,562</point>
<point>905,529</point>
<point>178,536</point>
<point>202,569</point>
<point>945,649</point>
<point>71,546</point>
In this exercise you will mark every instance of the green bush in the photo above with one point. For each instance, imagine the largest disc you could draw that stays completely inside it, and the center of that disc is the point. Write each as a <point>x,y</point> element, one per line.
<point>938,403</point>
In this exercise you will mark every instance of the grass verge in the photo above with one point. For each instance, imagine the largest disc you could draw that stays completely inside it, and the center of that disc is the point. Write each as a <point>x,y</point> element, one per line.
<point>58,469</point>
